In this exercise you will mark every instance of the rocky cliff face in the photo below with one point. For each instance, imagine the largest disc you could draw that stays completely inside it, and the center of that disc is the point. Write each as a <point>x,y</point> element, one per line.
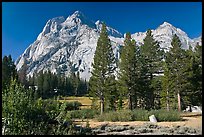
<point>69,44</point>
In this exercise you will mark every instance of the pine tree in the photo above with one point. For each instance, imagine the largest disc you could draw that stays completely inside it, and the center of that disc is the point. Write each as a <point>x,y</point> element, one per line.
<point>22,74</point>
<point>128,74</point>
<point>167,96</point>
<point>193,85</point>
<point>9,71</point>
<point>75,82</point>
<point>152,56</point>
<point>45,85</point>
<point>176,63</point>
<point>40,80</point>
<point>103,68</point>
<point>68,85</point>
<point>197,70</point>
<point>112,93</point>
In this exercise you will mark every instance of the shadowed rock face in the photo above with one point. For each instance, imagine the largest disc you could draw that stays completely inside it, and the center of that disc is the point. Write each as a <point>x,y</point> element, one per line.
<point>70,43</point>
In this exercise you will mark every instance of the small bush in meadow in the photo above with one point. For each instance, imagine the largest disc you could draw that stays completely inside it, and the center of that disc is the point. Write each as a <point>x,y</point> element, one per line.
<point>121,115</point>
<point>163,115</point>
<point>84,113</point>
<point>72,105</point>
<point>110,116</point>
<point>125,115</point>
<point>139,115</point>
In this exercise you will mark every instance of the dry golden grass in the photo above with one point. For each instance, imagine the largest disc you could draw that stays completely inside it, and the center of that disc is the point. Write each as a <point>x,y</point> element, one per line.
<point>191,114</point>
<point>85,101</point>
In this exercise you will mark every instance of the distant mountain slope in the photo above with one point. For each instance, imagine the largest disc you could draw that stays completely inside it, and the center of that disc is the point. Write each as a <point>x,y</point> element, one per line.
<point>69,44</point>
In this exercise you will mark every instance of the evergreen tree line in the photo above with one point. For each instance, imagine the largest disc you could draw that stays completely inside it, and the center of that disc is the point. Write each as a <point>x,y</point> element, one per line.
<point>44,84</point>
<point>47,85</point>
<point>8,71</point>
<point>146,76</point>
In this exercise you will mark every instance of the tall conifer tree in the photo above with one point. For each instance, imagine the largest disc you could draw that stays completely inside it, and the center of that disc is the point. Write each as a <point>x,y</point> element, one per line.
<point>152,56</point>
<point>101,81</point>
<point>128,73</point>
<point>9,71</point>
<point>176,63</point>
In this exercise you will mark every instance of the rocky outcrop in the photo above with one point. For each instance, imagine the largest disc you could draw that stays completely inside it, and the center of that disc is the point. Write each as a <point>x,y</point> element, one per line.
<point>146,129</point>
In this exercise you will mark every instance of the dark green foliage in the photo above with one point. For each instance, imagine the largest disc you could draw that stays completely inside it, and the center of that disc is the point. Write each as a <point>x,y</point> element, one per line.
<point>139,115</point>
<point>39,84</point>
<point>177,63</point>
<point>82,87</point>
<point>182,76</point>
<point>23,115</point>
<point>16,108</point>
<point>102,81</point>
<point>122,115</point>
<point>163,115</point>
<point>51,85</point>
<point>112,94</point>
<point>72,105</point>
<point>129,71</point>
<point>52,107</point>
<point>151,58</point>
<point>9,71</point>
<point>84,113</point>
<point>194,77</point>
<point>120,102</point>
<point>167,94</point>
<point>75,82</point>
<point>22,74</point>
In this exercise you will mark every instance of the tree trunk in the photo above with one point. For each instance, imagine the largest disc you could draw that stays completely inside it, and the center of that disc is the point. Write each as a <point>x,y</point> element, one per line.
<point>129,101</point>
<point>178,94</point>
<point>190,109</point>
<point>135,102</point>
<point>102,105</point>
<point>167,100</point>
<point>179,102</point>
<point>152,96</point>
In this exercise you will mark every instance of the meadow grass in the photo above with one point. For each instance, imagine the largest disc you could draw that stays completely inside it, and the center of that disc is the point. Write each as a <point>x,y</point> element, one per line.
<point>85,101</point>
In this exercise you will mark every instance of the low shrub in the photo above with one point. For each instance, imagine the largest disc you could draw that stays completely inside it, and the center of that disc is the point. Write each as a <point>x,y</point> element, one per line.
<point>163,115</point>
<point>121,115</point>
<point>139,115</point>
<point>84,113</point>
<point>125,115</point>
<point>104,117</point>
<point>75,105</point>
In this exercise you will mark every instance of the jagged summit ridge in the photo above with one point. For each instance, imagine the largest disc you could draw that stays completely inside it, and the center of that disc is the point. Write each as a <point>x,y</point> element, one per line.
<point>68,45</point>
<point>166,24</point>
<point>78,18</point>
<point>164,34</point>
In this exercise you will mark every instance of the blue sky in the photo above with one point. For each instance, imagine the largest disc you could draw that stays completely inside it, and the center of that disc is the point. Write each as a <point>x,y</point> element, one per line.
<point>23,21</point>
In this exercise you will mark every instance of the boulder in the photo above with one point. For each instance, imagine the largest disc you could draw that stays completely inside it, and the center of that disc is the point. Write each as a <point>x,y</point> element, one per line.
<point>196,109</point>
<point>152,118</point>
